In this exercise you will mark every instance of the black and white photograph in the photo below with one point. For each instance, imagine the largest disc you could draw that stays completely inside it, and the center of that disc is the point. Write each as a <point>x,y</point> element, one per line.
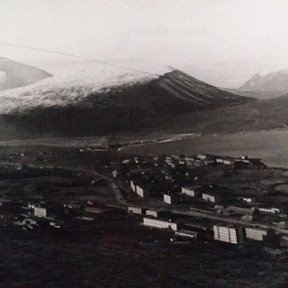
<point>143,143</point>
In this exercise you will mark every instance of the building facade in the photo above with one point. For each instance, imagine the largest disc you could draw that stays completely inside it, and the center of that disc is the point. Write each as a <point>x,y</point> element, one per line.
<point>152,213</point>
<point>136,210</point>
<point>189,191</point>
<point>40,212</point>
<point>228,233</point>
<point>255,234</point>
<point>211,197</point>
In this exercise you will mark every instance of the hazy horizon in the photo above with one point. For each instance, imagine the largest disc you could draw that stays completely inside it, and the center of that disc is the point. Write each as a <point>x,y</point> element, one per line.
<point>222,42</point>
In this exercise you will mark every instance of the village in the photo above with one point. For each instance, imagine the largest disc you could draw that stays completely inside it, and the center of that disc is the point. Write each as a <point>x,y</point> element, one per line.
<point>205,197</point>
<point>175,195</point>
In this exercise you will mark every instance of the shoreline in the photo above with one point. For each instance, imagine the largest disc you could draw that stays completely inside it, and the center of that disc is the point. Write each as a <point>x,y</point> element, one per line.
<point>154,136</point>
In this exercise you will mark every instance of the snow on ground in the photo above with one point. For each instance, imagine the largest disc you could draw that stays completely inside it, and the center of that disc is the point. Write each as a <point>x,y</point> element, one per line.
<point>70,84</point>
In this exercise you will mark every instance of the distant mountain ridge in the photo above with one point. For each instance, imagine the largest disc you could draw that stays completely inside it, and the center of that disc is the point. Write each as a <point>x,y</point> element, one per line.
<point>14,74</point>
<point>276,83</point>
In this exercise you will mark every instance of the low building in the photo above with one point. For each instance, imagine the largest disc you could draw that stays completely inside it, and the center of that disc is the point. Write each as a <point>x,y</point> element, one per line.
<point>249,200</point>
<point>209,161</point>
<point>189,159</point>
<point>40,212</point>
<point>225,160</point>
<point>141,191</point>
<point>245,160</point>
<point>202,156</point>
<point>114,173</point>
<point>93,210</point>
<point>152,213</point>
<point>182,162</point>
<point>240,210</point>
<point>167,199</point>
<point>255,234</point>
<point>175,156</point>
<point>170,199</point>
<point>126,161</point>
<point>284,240</point>
<point>57,224</point>
<point>268,210</point>
<point>190,191</point>
<point>168,159</point>
<point>228,233</point>
<point>29,223</point>
<point>160,224</point>
<point>247,218</point>
<point>187,234</point>
<point>132,186</point>
<point>155,157</point>
<point>228,162</point>
<point>202,227</point>
<point>136,210</point>
<point>73,205</point>
<point>166,214</point>
<point>206,159</point>
<point>211,197</point>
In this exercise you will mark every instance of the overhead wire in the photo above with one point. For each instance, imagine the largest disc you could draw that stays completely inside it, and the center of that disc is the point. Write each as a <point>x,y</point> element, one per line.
<point>78,57</point>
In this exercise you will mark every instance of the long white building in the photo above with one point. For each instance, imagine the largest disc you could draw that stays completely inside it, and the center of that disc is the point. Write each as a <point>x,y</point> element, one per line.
<point>228,233</point>
<point>160,224</point>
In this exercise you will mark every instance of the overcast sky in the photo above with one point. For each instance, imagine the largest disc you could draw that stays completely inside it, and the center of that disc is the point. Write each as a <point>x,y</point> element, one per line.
<point>221,41</point>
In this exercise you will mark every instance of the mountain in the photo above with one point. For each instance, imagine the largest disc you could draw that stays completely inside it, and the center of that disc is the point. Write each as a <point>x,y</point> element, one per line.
<point>274,84</point>
<point>131,104</point>
<point>14,74</point>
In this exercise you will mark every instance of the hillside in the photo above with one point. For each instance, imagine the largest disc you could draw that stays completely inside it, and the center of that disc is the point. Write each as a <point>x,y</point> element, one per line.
<point>252,116</point>
<point>261,95</point>
<point>14,74</point>
<point>113,113</point>
<point>144,105</point>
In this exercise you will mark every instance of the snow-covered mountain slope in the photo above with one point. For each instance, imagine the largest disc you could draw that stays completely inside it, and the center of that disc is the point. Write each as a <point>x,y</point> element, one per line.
<point>14,74</point>
<point>87,80</point>
<point>70,85</point>
<point>108,102</point>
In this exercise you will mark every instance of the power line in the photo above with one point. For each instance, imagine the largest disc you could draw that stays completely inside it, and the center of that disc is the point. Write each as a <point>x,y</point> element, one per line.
<point>77,56</point>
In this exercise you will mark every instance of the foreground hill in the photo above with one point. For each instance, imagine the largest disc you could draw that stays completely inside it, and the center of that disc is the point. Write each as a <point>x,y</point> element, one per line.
<point>140,105</point>
<point>14,74</point>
